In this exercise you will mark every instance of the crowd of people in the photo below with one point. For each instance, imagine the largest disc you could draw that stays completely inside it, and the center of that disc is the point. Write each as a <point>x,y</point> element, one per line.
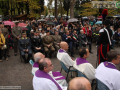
<point>55,39</point>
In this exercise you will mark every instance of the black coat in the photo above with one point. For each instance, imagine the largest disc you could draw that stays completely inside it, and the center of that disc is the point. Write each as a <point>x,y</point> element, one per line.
<point>103,37</point>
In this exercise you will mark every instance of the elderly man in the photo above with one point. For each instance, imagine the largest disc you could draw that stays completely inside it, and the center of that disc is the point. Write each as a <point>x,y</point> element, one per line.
<point>56,75</point>
<point>79,83</point>
<point>107,72</point>
<point>82,65</point>
<point>68,38</point>
<point>16,32</point>
<point>63,56</point>
<point>25,47</point>
<point>37,57</point>
<point>57,39</point>
<point>41,75</point>
<point>48,44</point>
<point>83,40</point>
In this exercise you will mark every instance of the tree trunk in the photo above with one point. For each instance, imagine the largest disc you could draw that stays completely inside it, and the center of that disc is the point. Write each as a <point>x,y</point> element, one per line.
<point>72,4</point>
<point>55,8</point>
<point>61,7</point>
<point>67,12</point>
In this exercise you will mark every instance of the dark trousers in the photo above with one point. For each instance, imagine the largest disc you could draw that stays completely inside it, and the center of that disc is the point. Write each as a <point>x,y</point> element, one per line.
<point>29,55</point>
<point>16,46</point>
<point>104,52</point>
<point>35,50</point>
<point>88,43</point>
<point>7,50</point>
<point>71,48</point>
<point>3,53</point>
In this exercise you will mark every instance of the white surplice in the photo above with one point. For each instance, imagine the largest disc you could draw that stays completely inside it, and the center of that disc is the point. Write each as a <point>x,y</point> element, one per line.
<point>61,82</point>
<point>44,84</point>
<point>110,77</point>
<point>87,69</point>
<point>65,58</point>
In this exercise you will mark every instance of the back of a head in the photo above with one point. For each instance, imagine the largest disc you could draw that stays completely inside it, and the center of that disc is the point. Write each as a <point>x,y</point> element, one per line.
<point>82,52</point>
<point>112,55</point>
<point>79,83</point>
<point>38,56</point>
<point>43,63</point>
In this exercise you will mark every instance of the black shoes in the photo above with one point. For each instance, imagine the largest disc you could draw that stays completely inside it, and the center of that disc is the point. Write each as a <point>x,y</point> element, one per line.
<point>91,52</point>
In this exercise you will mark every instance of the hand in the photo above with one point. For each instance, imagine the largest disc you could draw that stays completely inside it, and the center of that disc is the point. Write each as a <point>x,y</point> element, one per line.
<point>86,43</point>
<point>18,37</point>
<point>3,44</point>
<point>48,46</point>
<point>24,50</point>
<point>27,50</point>
<point>58,43</point>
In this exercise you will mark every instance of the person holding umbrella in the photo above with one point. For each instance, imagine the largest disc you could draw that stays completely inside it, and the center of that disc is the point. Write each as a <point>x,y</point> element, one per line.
<point>16,32</point>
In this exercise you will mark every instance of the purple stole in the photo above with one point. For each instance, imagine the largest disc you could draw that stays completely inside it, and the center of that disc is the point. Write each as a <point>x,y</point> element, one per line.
<point>81,61</point>
<point>109,65</point>
<point>56,74</point>
<point>43,74</point>
<point>61,51</point>
<point>36,65</point>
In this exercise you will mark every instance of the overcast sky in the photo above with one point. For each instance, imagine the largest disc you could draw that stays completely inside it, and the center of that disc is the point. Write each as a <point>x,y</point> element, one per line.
<point>46,1</point>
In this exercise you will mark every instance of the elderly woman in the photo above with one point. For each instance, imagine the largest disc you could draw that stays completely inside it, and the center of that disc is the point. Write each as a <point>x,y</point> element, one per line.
<point>2,46</point>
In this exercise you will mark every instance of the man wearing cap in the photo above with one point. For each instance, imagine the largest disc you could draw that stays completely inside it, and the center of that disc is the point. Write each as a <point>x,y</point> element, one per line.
<point>57,39</point>
<point>104,41</point>
<point>48,44</point>
<point>25,47</point>
<point>16,32</point>
<point>37,45</point>
<point>5,32</point>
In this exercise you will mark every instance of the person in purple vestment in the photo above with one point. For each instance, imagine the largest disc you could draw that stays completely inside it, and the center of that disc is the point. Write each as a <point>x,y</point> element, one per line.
<point>82,65</point>
<point>41,75</point>
<point>107,72</point>
<point>78,84</point>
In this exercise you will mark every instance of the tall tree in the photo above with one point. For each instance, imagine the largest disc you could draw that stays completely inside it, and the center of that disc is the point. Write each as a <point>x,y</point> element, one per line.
<point>72,4</point>
<point>66,5</point>
<point>55,8</point>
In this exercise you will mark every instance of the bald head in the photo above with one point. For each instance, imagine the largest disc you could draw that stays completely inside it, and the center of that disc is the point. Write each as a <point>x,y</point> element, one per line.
<point>79,83</point>
<point>38,56</point>
<point>64,45</point>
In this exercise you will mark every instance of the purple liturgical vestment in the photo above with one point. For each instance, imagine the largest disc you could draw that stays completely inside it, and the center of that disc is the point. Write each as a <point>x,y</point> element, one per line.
<point>55,74</point>
<point>42,74</point>
<point>36,64</point>
<point>60,50</point>
<point>81,61</point>
<point>109,65</point>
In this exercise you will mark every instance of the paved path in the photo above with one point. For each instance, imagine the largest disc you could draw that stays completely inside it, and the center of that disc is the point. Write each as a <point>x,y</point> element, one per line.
<point>15,73</point>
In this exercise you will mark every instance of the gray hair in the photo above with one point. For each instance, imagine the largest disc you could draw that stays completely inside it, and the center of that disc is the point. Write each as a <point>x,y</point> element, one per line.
<point>43,64</point>
<point>37,59</point>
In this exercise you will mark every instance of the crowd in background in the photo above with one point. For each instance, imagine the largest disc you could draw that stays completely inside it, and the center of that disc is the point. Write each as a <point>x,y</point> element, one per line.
<point>62,28</point>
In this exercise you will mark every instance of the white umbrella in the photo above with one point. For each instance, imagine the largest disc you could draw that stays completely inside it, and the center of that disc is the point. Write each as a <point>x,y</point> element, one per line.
<point>41,20</point>
<point>72,20</point>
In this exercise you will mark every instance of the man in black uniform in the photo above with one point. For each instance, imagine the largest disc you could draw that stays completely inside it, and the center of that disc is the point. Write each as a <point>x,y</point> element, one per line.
<point>37,45</point>
<point>25,47</point>
<point>104,41</point>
